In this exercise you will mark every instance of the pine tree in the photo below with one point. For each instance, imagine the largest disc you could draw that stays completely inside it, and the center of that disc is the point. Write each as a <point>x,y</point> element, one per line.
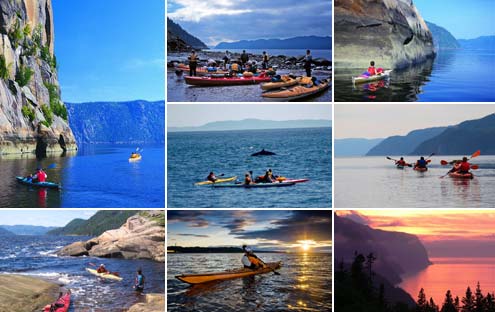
<point>479,300</point>
<point>457,304</point>
<point>448,304</point>
<point>432,307</point>
<point>422,304</point>
<point>489,303</point>
<point>468,301</point>
<point>370,259</point>
<point>381,296</point>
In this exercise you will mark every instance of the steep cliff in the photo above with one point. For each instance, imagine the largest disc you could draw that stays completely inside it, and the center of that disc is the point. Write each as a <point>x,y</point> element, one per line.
<point>390,32</point>
<point>32,116</point>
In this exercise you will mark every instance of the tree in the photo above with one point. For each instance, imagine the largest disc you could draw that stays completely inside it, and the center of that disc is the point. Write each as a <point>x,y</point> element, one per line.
<point>489,303</point>
<point>370,259</point>
<point>448,304</point>
<point>381,296</point>
<point>479,300</point>
<point>432,307</point>
<point>468,301</point>
<point>422,304</point>
<point>457,304</point>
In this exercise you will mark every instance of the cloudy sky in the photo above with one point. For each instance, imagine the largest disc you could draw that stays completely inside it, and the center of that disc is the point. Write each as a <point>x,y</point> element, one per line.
<point>269,229</point>
<point>383,120</point>
<point>46,217</point>
<point>214,21</point>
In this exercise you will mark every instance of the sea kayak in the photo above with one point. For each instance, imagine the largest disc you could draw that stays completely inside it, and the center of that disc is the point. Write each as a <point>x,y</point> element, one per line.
<point>285,82</point>
<point>399,167</point>
<point>104,275</point>
<point>26,181</point>
<point>364,79</point>
<point>209,277</point>
<point>217,181</point>
<point>458,175</point>
<point>225,81</point>
<point>294,180</point>
<point>274,184</point>
<point>202,71</point>
<point>135,157</point>
<point>297,92</point>
<point>420,169</point>
<point>63,304</point>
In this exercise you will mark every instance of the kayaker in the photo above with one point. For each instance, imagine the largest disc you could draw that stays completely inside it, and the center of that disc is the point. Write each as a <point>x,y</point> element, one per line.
<point>421,163</point>
<point>102,269</point>
<point>463,167</point>
<point>211,177</point>
<point>134,155</point>
<point>235,68</point>
<point>139,281</point>
<point>249,260</point>
<point>254,67</point>
<point>308,60</point>
<point>401,162</point>
<point>226,59</point>
<point>38,176</point>
<point>193,63</point>
<point>247,179</point>
<point>264,65</point>
<point>244,58</point>
<point>372,71</point>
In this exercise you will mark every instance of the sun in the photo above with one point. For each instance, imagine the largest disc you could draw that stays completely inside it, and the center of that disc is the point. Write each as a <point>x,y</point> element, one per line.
<point>305,246</point>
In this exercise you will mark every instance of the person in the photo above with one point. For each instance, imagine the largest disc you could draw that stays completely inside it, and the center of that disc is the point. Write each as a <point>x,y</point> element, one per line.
<point>247,179</point>
<point>193,63</point>
<point>463,167</point>
<point>102,269</point>
<point>211,177</point>
<point>244,58</point>
<point>139,281</point>
<point>401,162</point>
<point>250,260</point>
<point>254,67</point>
<point>264,65</point>
<point>134,155</point>
<point>268,178</point>
<point>39,175</point>
<point>372,71</point>
<point>226,59</point>
<point>421,163</point>
<point>308,60</point>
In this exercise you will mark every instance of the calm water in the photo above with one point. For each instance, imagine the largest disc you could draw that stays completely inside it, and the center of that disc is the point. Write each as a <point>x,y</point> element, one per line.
<point>455,274</point>
<point>304,284</point>
<point>454,76</point>
<point>33,256</point>
<point>179,91</point>
<point>374,182</point>
<point>301,153</point>
<point>96,176</point>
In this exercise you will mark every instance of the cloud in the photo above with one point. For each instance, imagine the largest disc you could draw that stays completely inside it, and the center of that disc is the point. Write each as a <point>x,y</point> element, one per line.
<point>196,10</point>
<point>194,218</point>
<point>355,216</point>
<point>192,235</point>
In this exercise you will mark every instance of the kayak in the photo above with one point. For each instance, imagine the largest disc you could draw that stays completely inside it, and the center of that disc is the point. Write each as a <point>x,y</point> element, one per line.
<point>104,275</point>
<point>26,181</point>
<point>217,181</point>
<point>399,167</point>
<point>135,158</point>
<point>295,180</point>
<point>225,81</point>
<point>237,273</point>
<point>63,303</point>
<point>274,184</point>
<point>285,82</point>
<point>458,175</point>
<point>201,71</point>
<point>420,169</point>
<point>363,79</point>
<point>297,92</point>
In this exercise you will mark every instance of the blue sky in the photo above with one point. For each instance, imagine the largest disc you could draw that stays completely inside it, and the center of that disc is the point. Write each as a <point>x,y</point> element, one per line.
<point>269,229</point>
<point>214,21</point>
<point>463,19</point>
<point>110,50</point>
<point>57,217</point>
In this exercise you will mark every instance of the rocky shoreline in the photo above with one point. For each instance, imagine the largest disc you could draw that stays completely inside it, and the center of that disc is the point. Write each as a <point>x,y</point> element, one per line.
<point>25,293</point>
<point>152,303</point>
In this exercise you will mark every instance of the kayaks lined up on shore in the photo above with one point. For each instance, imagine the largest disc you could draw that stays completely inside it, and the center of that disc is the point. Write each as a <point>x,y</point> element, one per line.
<point>285,82</point>
<point>26,181</point>
<point>457,175</point>
<point>104,275</point>
<point>201,71</point>
<point>238,273</point>
<point>275,184</point>
<point>363,79</point>
<point>217,181</point>
<point>226,81</point>
<point>297,92</point>
<point>61,305</point>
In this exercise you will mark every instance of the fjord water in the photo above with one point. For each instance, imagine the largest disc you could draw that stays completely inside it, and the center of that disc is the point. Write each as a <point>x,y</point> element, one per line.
<point>375,182</point>
<point>301,153</point>
<point>34,256</point>
<point>304,284</point>
<point>454,274</point>
<point>453,76</point>
<point>94,176</point>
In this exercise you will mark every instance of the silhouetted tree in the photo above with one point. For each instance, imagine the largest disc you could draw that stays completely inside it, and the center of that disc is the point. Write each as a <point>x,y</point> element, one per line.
<point>357,274</point>
<point>479,300</point>
<point>457,304</point>
<point>421,304</point>
<point>432,307</point>
<point>468,301</point>
<point>448,303</point>
<point>489,303</point>
<point>370,259</point>
<point>381,296</point>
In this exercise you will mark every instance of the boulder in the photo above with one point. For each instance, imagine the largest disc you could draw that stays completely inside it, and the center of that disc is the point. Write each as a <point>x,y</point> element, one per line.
<point>153,303</point>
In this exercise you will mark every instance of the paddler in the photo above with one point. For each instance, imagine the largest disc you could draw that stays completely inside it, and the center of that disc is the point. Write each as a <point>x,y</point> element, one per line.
<point>102,269</point>
<point>193,62</point>
<point>421,163</point>
<point>249,260</point>
<point>264,65</point>
<point>372,71</point>
<point>268,178</point>
<point>308,60</point>
<point>212,177</point>
<point>247,179</point>
<point>139,281</point>
<point>462,167</point>
<point>244,58</point>
<point>401,162</point>
<point>38,176</point>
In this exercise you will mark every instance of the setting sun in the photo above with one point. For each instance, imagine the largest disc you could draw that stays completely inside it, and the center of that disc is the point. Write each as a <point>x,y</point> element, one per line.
<point>306,244</point>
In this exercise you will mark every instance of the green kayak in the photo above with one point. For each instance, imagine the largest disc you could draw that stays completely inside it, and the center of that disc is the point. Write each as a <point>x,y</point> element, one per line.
<point>275,184</point>
<point>26,181</point>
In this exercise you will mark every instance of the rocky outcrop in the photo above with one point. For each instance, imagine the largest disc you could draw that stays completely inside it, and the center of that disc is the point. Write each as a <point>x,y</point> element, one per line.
<point>153,303</point>
<point>390,32</point>
<point>32,116</point>
<point>141,237</point>
<point>24,293</point>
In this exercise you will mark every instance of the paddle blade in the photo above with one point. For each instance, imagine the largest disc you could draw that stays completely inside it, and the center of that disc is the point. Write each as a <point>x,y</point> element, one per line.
<point>389,158</point>
<point>51,166</point>
<point>476,154</point>
<point>474,167</point>
<point>444,162</point>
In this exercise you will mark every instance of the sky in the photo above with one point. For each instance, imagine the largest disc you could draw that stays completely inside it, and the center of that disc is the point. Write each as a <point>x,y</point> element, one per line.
<point>275,230</point>
<point>453,232</point>
<point>215,21</point>
<point>111,50</point>
<point>463,19</point>
<point>195,115</point>
<point>380,121</point>
<point>57,217</point>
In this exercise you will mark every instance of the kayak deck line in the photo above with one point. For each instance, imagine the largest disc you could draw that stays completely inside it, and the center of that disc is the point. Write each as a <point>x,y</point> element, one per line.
<point>255,185</point>
<point>359,79</point>
<point>50,185</point>
<point>104,275</point>
<point>217,181</point>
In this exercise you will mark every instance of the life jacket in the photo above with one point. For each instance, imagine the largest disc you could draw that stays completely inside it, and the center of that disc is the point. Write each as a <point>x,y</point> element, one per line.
<point>247,74</point>
<point>41,176</point>
<point>421,163</point>
<point>257,262</point>
<point>193,58</point>
<point>265,58</point>
<point>401,162</point>
<point>235,67</point>
<point>372,70</point>
<point>464,166</point>
<point>247,180</point>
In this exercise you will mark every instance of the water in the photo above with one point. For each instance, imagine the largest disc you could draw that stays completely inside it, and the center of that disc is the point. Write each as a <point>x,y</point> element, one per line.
<point>374,182</point>
<point>454,76</point>
<point>455,274</point>
<point>179,91</point>
<point>304,284</point>
<point>33,256</point>
<point>301,153</point>
<point>326,54</point>
<point>96,176</point>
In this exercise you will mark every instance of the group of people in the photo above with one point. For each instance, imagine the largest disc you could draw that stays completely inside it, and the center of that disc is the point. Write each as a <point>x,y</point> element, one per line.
<point>459,166</point>
<point>138,281</point>
<point>269,177</point>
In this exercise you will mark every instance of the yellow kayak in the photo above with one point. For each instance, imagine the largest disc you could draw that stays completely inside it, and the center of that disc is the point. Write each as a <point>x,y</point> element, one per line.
<point>285,82</point>
<point>135,157</point>
<point>104,275</point>
<point>217,181</point>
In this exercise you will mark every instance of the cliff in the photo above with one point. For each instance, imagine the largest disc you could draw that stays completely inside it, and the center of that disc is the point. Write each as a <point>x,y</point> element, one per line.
<point>442,38</point>
<point>180,40</point>
<point>32,116</point>
<point>390,32</point>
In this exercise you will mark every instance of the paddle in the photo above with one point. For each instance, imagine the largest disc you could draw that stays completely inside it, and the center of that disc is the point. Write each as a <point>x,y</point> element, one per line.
<point>475,154</point>
<point>389,158</point>
<point>272,270</point>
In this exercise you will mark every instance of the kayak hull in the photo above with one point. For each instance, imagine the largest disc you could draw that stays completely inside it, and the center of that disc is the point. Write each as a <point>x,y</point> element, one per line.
<point>400,167</point>
<point>279,84</point>
<point>131,159</point>
<point>296,93</point>
<point>420,169</point>
<point>217,181</point>
<point>50,185</point>
<point>257,185</point>
<point>358,80</point>
<point>296,180</point>
<point>103,275</point>
<point>226,81</point>
<point>238,273</point>
<point>66,301</point>
<point>457,175</point>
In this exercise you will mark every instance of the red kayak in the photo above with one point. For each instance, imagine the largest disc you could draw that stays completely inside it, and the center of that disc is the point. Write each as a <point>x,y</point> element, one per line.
<point>458,175</point>
<point>61,305</point>
<point>226,81</point>
<point>420,169</point>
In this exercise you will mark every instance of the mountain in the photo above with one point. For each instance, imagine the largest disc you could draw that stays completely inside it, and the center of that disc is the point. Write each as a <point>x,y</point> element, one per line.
<point>179,40</point>
<point>100,222</point>
<point>462,139</point>
<point>442,38</point>
<point>4,232</point>
<point>303,42</point>
<point>480,43</point>
<point>354,147</point>
<point>255,124</point>
<point>404,145</point>
<point>27,229</point>
<point>118,122</point>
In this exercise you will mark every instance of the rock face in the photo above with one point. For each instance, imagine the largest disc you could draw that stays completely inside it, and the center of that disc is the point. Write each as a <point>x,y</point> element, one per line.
<point>141,237</point>
<point>153,303</point>
<point>390,32</point>
<point>180,40</point>
<point>32,116</point>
